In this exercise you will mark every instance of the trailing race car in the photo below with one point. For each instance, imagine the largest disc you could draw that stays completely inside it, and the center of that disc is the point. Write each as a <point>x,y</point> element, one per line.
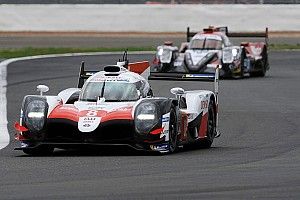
<point>207,50</point>
<point>116,107</point>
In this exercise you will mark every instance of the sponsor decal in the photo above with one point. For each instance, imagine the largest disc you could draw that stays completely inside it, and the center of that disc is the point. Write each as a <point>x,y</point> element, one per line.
<point>160,147</point>
<point>95,107</point>
<point>165,125</point>
<point>23,145</point>
<point>198,76</point>
<point>124,109</point>
<point>110,79</point>
<point>67,108</point>
<point>166,119</point>
<point>204,104</point>
<point>89,122</point>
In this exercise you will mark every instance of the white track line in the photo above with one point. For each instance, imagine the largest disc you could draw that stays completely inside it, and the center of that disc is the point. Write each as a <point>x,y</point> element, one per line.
<point>4,135</point>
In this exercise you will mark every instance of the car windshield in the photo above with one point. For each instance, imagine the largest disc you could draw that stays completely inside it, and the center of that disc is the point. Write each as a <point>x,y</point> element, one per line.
<point>206,43</point>
<point>110,90</point>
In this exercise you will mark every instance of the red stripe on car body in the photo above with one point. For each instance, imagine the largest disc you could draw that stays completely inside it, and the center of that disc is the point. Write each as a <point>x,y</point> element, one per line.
<point>203,126</point>
<point>65,112</point>
<point>157,131</point>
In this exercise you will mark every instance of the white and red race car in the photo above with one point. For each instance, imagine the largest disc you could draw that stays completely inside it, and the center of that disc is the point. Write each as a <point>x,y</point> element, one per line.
<point>116,106</point>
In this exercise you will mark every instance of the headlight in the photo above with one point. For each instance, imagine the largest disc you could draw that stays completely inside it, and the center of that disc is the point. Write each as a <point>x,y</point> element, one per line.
<point>35,115</point>
<point>146,117</point>
<point>227,56</point>
<point>160,51</point>
<point>166,55</point>
<point>234,52</point>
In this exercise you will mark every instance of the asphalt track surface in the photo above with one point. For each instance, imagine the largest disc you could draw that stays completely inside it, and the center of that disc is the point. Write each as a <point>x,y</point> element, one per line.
<point>257,156</point>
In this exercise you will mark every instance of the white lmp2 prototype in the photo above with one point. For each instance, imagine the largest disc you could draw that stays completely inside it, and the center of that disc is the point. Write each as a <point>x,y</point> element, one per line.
<point>116,106</point>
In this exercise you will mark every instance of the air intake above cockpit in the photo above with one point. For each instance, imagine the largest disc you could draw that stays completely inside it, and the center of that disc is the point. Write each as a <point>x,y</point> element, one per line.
<point>112,68</point>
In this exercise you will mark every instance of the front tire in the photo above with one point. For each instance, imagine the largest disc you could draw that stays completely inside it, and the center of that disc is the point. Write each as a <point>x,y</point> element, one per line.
<point>172,131</point>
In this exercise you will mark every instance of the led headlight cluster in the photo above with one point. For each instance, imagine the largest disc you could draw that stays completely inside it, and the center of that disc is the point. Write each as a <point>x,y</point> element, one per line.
<point>229,55</point>
<point>35,115</point>
<point>146,117</point>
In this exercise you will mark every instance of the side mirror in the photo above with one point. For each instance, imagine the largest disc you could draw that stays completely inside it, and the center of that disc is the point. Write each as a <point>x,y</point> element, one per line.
<point>177,91</point>
<point>42,88</point>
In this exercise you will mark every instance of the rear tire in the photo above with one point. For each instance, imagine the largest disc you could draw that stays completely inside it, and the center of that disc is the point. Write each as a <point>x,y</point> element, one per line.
<point>264,65</point>
<point>243,55</point>
<point>261,73</point>
<point>39,151</point>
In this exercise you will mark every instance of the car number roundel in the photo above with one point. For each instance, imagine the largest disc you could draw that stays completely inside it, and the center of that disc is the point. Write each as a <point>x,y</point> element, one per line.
<point>89,122</point>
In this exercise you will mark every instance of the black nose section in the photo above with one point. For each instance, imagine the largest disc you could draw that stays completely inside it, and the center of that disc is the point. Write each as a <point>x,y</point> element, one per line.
<point>201,65</point>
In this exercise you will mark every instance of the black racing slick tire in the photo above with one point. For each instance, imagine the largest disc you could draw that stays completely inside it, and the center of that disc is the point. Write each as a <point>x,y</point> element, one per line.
<point>243,55</point>
<point>211,127</point>
<point>172,131</point>
<point>39,151</point>
<point>264,65</point>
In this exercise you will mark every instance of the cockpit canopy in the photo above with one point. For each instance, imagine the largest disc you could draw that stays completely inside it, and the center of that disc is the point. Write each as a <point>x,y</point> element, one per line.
<point>206,41</point>
<point>111,91</point>
<point>125,86</point>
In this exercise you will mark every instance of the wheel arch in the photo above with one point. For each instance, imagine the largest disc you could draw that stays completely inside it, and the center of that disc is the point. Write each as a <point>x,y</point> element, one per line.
<point>213,99</point>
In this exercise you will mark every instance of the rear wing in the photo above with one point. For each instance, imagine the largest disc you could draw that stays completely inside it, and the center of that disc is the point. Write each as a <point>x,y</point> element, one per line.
<point>262,34</point>
<point>181,76</point>
<point>210,29</point>
<point>185,76</point>
<point>142,68</point>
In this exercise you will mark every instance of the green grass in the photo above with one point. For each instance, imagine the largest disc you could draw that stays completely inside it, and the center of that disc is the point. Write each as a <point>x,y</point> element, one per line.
<point>30,51</point>
<point>284,46</point>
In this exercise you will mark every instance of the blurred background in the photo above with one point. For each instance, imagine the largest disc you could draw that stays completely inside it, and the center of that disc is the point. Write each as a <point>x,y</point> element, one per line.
<point>149,2</point>
<point>93,25</point>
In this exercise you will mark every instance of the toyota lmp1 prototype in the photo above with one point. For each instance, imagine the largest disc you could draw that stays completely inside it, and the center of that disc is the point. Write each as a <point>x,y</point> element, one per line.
<point>206,50</point>
<point>116,106</point>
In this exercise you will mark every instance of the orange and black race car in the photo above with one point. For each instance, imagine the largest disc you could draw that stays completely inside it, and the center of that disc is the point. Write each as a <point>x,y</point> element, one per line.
<point>206,50</point>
